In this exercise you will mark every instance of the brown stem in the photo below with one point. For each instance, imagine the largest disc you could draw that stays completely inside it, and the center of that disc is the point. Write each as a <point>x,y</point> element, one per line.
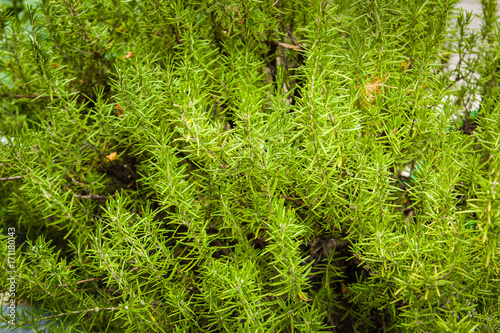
<point>288,46</point>
<point>288,31</point>
<point>91,196</point>
<point>297,201</point>
<point>88,280</point>
<point>11,178</point>
<point>75,15</point>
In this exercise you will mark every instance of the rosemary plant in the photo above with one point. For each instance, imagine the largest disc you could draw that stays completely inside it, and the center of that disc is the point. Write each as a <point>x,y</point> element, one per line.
<point>250,166</point>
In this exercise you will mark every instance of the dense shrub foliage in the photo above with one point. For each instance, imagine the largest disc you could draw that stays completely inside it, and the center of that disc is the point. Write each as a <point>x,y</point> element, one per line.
<point>251,166</point>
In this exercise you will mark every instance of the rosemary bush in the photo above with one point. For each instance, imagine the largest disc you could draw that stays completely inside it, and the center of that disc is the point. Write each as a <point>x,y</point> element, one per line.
<point>251,166</point>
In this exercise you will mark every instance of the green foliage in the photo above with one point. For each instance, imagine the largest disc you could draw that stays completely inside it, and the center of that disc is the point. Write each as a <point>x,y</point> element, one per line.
<point>245,166</point>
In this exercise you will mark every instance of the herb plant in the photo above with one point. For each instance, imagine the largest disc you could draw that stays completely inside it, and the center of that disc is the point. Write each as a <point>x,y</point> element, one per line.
<point>251,166</point>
